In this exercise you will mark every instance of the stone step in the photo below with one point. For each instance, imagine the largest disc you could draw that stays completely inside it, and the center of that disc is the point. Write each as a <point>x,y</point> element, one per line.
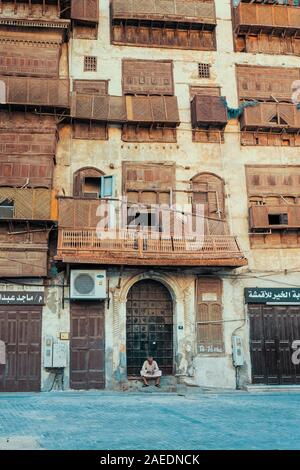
<point>168,384</point>
<point>273,388</point>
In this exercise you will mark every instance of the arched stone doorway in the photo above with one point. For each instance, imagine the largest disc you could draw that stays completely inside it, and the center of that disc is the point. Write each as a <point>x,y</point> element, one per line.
<point>149,326</point>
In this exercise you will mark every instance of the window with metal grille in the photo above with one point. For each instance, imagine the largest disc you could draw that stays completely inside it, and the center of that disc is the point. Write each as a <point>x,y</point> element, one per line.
<point>204,70</point>
<point>90,63</point>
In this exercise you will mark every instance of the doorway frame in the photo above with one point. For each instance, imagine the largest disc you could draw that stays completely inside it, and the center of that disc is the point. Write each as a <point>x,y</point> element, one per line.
<point>182,294</point>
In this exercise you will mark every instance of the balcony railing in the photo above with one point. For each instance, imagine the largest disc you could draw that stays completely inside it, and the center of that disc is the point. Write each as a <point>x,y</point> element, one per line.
<point>138,248</point>
<point>255,18</point>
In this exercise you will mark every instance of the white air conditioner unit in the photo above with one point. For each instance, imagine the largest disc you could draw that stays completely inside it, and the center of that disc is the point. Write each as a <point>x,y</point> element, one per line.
<point>88,284</point>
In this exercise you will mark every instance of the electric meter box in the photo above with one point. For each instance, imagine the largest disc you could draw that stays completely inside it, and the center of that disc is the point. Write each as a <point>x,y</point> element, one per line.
<point>237,351</point>
<point>55,353</point>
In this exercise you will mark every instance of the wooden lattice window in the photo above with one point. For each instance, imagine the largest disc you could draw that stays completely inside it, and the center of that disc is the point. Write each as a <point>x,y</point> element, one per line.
<point>209,319</point>
<point>90,63</point>
<point>203,70</point>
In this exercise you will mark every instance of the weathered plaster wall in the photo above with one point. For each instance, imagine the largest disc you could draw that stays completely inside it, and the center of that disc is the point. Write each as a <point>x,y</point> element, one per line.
<point>55,320</point>
<point>227,160</point>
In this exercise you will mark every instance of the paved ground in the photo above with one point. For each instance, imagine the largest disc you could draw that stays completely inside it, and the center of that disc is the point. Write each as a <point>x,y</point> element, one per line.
<point>91,420</point>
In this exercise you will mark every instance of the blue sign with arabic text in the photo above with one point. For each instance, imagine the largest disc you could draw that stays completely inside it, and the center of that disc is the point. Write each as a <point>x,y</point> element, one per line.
<point>272,295</point>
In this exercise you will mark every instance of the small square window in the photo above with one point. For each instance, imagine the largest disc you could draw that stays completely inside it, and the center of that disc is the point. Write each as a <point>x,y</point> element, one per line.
<point>90,63</point>
<point>204,70</point>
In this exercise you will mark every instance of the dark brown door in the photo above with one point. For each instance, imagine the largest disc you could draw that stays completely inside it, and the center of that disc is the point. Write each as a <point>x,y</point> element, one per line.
<point>20,329</point>
<point>87,345</point>
<point>272,332</point>
<point>149,326</point>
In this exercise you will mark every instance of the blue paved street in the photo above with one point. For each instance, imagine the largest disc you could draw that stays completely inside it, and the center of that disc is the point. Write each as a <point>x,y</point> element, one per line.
<point>110,421</point>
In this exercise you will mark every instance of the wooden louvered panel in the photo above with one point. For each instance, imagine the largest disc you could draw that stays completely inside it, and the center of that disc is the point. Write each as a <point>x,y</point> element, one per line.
<point>266,82</point>
<point>92,87</point>
<point>192,11</point>
<point>98,108</point>
<point>27,143</point>
<point>149,77</point>
<point>79,213</point>
<point>208,189</point>
<point>258,217</point>
<point>90,131</point>
<point>208,111</point>
<point>27,123</point>
<point>36,91</point>
<point>85,10</point>
<point>148,176</point>
<point>65,213</point>
<point>273,179</point>
<point>153,109</point>
<point>261,216</point>
<point>272,18</point>
<point>271,116</point>
<point>204,90</point>
<point>150,36</point>
<point>209,316</point>
<point>20,170</point>
<point>23,261</point>
<point>132,133</point>
<point>294,215</point>
<point>29,204</point>
<point>137,109</point>
<point>29,59</point>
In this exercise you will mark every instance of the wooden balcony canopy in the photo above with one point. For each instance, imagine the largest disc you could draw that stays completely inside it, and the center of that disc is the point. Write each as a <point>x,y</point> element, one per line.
<point>208,111</point>
<point>167,11</point>
<point>132,248</point>
<point>131,109</point>
<point>271,116</point>
<point>256,18</point>
<point>31,91</point>
<point>27,204</point>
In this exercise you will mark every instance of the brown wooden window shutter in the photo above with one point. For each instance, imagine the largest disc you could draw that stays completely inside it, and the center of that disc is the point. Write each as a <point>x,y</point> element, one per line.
<point>209,313</point>
<point>208,189</point>
<point>259,217</point>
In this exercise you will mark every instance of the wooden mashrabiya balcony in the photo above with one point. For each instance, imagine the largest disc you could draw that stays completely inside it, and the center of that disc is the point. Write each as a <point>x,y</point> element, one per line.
<point>175,11</point>
<point>256,18</point>
<point>136,248</point>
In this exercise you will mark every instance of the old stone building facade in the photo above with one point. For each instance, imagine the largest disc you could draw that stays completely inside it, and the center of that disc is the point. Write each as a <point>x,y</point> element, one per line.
<point>181,103</point>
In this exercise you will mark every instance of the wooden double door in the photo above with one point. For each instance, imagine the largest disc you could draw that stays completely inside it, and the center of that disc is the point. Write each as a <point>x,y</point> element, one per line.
<point>87,355</point>
<point>20,330</point>
<point>149,326</point>
<point>273,329</point>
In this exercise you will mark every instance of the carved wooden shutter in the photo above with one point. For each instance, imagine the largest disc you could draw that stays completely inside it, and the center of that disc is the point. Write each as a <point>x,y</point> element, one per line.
<point>209,316</point>
<point>294,215</point>
<point>259,217</point>
<point>209,190</point>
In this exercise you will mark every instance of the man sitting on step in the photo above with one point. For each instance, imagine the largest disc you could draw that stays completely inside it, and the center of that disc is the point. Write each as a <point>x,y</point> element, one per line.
<point>150,370</point>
